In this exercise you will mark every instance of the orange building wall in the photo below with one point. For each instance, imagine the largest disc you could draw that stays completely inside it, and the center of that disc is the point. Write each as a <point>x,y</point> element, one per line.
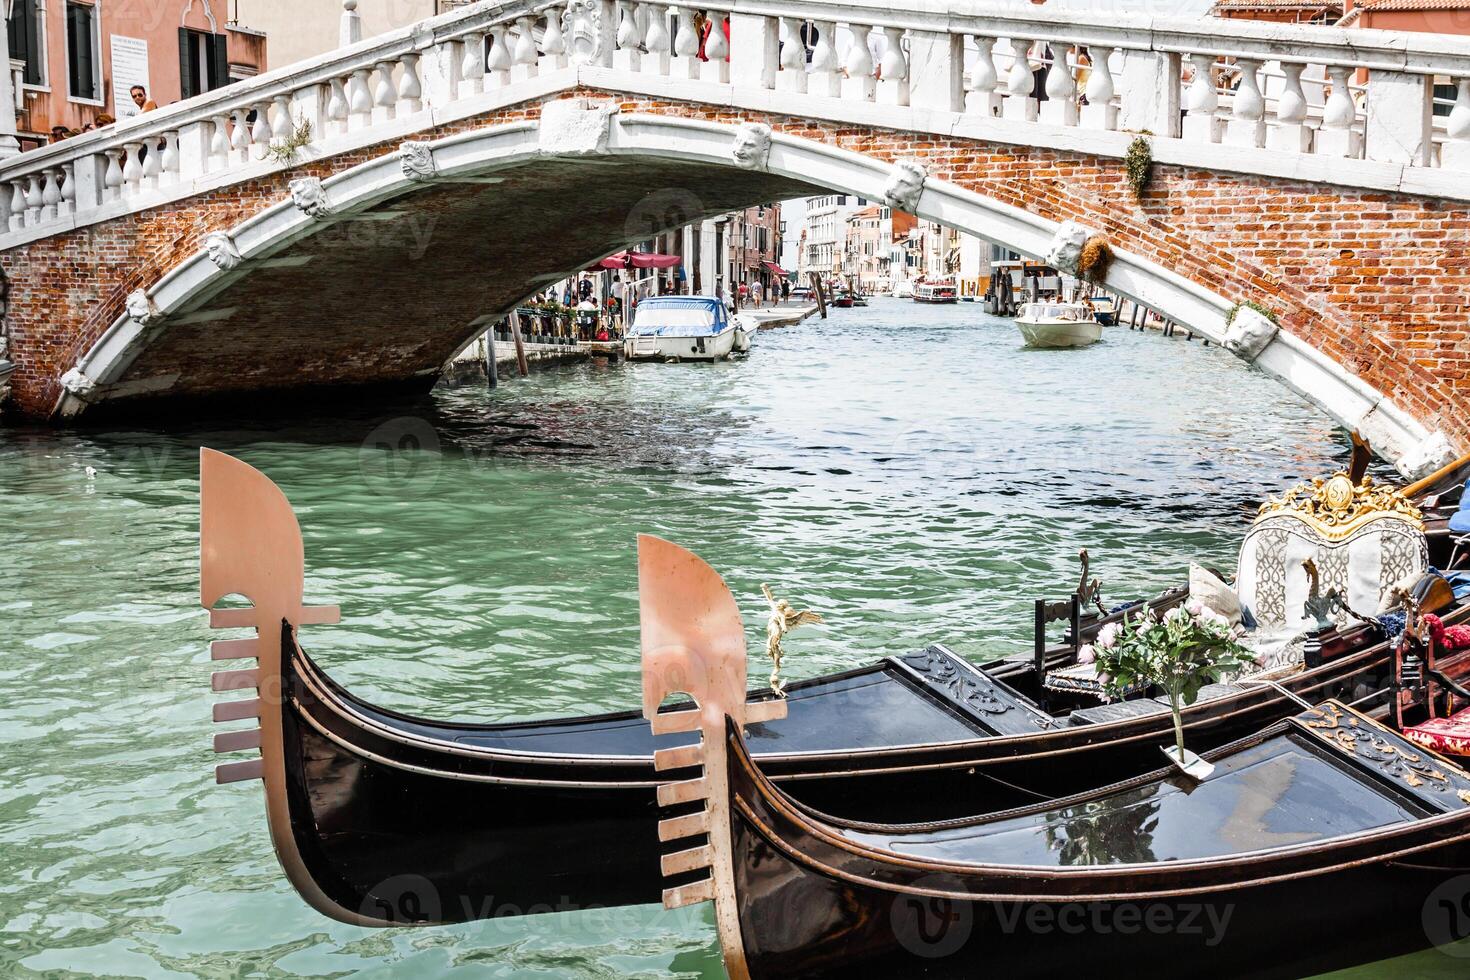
<point>157,23</point>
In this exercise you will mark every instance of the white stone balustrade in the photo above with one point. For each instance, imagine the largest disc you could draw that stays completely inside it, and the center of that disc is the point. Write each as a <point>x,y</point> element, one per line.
<point>1266,93</point>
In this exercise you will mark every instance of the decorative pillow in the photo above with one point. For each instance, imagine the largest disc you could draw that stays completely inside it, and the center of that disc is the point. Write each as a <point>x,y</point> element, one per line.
<point>1209,589</point>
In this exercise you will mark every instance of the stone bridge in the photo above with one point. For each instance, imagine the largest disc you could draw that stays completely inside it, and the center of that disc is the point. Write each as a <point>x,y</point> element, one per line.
<point>353,221</point>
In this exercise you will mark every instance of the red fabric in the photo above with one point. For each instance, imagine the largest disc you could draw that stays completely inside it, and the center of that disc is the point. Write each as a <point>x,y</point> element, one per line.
<point>637,260</point>
<point>1447,639</point>
<point>1448,736</point>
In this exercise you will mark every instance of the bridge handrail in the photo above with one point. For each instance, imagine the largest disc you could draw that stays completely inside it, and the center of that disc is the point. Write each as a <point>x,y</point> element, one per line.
<point>1356,99</point>
<point>281,81</point>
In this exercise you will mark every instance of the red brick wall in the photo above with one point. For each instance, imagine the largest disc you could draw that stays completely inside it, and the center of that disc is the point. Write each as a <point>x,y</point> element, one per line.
<point>1379,282</point>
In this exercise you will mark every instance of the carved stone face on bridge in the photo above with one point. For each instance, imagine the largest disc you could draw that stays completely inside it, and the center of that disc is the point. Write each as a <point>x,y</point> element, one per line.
<point>222,250</point>
<point>904,186</point>
<point>752,146</point>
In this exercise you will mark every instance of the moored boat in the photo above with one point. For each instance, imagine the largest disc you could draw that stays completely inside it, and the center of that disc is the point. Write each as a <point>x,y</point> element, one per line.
<point>379,817</point>
<point>1058,325</point>
<point>746,328</point>
<point>680,328</point>
<point>1104,310</point>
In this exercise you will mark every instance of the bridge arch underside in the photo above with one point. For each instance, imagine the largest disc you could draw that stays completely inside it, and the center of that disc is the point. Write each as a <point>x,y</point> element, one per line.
<point>384,296</point>
<point>399,260</point>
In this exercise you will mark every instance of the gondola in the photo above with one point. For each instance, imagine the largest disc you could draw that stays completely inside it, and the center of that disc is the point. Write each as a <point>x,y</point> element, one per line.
<point>380,818</point>
<point>1324,840</point>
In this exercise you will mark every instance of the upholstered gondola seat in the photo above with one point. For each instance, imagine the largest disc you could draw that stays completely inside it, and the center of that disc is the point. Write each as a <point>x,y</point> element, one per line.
<point>1361,539</point>
<point>1447,736</point>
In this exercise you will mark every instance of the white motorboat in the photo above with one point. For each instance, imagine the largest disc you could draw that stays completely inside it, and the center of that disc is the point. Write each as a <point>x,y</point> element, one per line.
<point>903,289</point>
<point>1058,325</point>
<point>937,291</point>
<point>680,328</point>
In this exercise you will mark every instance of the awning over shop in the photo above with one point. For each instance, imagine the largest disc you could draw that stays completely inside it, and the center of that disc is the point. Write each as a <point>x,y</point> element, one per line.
<point>776,269</point>
<point>637,260</point>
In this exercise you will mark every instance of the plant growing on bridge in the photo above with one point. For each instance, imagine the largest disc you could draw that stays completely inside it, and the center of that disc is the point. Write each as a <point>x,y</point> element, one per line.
<point>284,151</point>
<point>1140,163</point>
<point>1251,304</point>
<point>1095,260</point>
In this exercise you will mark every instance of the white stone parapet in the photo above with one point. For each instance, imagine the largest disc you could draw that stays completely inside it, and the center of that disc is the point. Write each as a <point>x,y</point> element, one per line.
<point>1343,106</point>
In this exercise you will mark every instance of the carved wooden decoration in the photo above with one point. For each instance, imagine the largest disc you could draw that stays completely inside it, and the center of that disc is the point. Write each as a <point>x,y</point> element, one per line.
<point>693,643</point>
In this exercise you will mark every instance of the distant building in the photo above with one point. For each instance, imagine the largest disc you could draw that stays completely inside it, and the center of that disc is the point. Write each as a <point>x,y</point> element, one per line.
<point>753,247</point>
<point>1281,11</point>
<point>1428,16</point>
<point>871,232</point>
<point>301,29</point>
<point>825,251</point>
<point>76,61</point>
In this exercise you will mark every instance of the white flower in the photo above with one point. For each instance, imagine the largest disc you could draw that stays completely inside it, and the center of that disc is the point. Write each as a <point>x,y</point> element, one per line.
<point>1196,608</point>
<point>1107,637</point>
<point>1177,613</point>
<point>1086,654</point>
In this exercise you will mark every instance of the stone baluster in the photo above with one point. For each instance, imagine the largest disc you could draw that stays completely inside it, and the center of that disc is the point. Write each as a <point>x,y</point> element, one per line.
<point>169,159</point>
<point>1247,124</point>
<point>17,218</point>
<point>1339,136</point>
<point>152,164</point>
<point>685,63</point>
<point>359,99</point>
<point>716,50</point>
<point>410,86</point>
<point>1455,154</point>
<point>385,92</point>
<point>792,74</point>
<point>1203,123</point>
<point>51,194</point>
<point>982,97</point>
<point>1060,107</point>
<point>337,106</point>
<point>553,41</point>
<point>112,178</point>
<point>69,189</point>
<point>498,60</point>
<point>35,201</point>
<point>1019,105</point>
<point>133,169</point>
<point>240,134</point>
<point>472,66</point>
<point>629,38</point>
<point>281,122</point>
<point>261,131</point>
<point>861,83</point>
<point>935,70</point>
<point>523,55</point>
<point>824,76</point>
<point>1100,112</point>
<point>219,142</point>
<point>1289,130</point>
<point>656,39</point>
<point>893,76</point>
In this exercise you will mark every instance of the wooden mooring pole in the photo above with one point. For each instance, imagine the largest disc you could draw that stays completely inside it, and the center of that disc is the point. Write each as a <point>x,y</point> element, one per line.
<point>821,297</point>
<point>522,365</point>
<point>492,377</point>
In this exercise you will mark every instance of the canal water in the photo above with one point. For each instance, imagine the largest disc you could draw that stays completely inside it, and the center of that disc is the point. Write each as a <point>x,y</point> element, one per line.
<point>909,471</point>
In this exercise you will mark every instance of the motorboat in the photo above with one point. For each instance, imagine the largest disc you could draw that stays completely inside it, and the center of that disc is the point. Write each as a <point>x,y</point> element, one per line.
<point>1058,325</point>
<point>680,328</point>
<point>937,291</point>
<point>1104,310</point>
<point>903,289</point>
<point>362,798</point>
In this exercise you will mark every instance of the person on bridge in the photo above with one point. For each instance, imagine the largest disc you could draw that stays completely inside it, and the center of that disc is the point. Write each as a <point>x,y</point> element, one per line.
<point>140,99</point>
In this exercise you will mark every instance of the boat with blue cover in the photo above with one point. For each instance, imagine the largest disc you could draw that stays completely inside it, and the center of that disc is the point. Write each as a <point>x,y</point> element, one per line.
<point>681,328</point>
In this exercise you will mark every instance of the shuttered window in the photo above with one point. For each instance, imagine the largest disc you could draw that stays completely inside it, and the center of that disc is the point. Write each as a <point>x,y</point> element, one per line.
<point>84,81</point>
<point>204,62</point>
<point>26,41</point>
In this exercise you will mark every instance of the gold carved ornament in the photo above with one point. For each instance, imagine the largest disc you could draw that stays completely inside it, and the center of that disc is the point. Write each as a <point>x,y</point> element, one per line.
<point>1335,508</point>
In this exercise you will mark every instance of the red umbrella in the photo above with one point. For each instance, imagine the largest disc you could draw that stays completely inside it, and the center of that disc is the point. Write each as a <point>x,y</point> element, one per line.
<point>637,260</point>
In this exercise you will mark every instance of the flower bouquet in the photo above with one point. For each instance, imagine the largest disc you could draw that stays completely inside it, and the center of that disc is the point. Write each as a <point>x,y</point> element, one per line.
<point>1181,651</point>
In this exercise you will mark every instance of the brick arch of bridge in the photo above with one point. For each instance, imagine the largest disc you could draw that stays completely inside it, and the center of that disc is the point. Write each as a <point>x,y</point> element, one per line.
<point>1371,286</point>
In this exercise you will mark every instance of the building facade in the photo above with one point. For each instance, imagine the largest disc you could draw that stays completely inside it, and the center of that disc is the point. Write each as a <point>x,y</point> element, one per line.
<point>826,233</point>
<point>74,62</point>
<point>871,232</point>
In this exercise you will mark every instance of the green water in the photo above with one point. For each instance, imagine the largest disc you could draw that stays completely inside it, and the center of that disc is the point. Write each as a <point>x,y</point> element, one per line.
<point>909,471</point>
